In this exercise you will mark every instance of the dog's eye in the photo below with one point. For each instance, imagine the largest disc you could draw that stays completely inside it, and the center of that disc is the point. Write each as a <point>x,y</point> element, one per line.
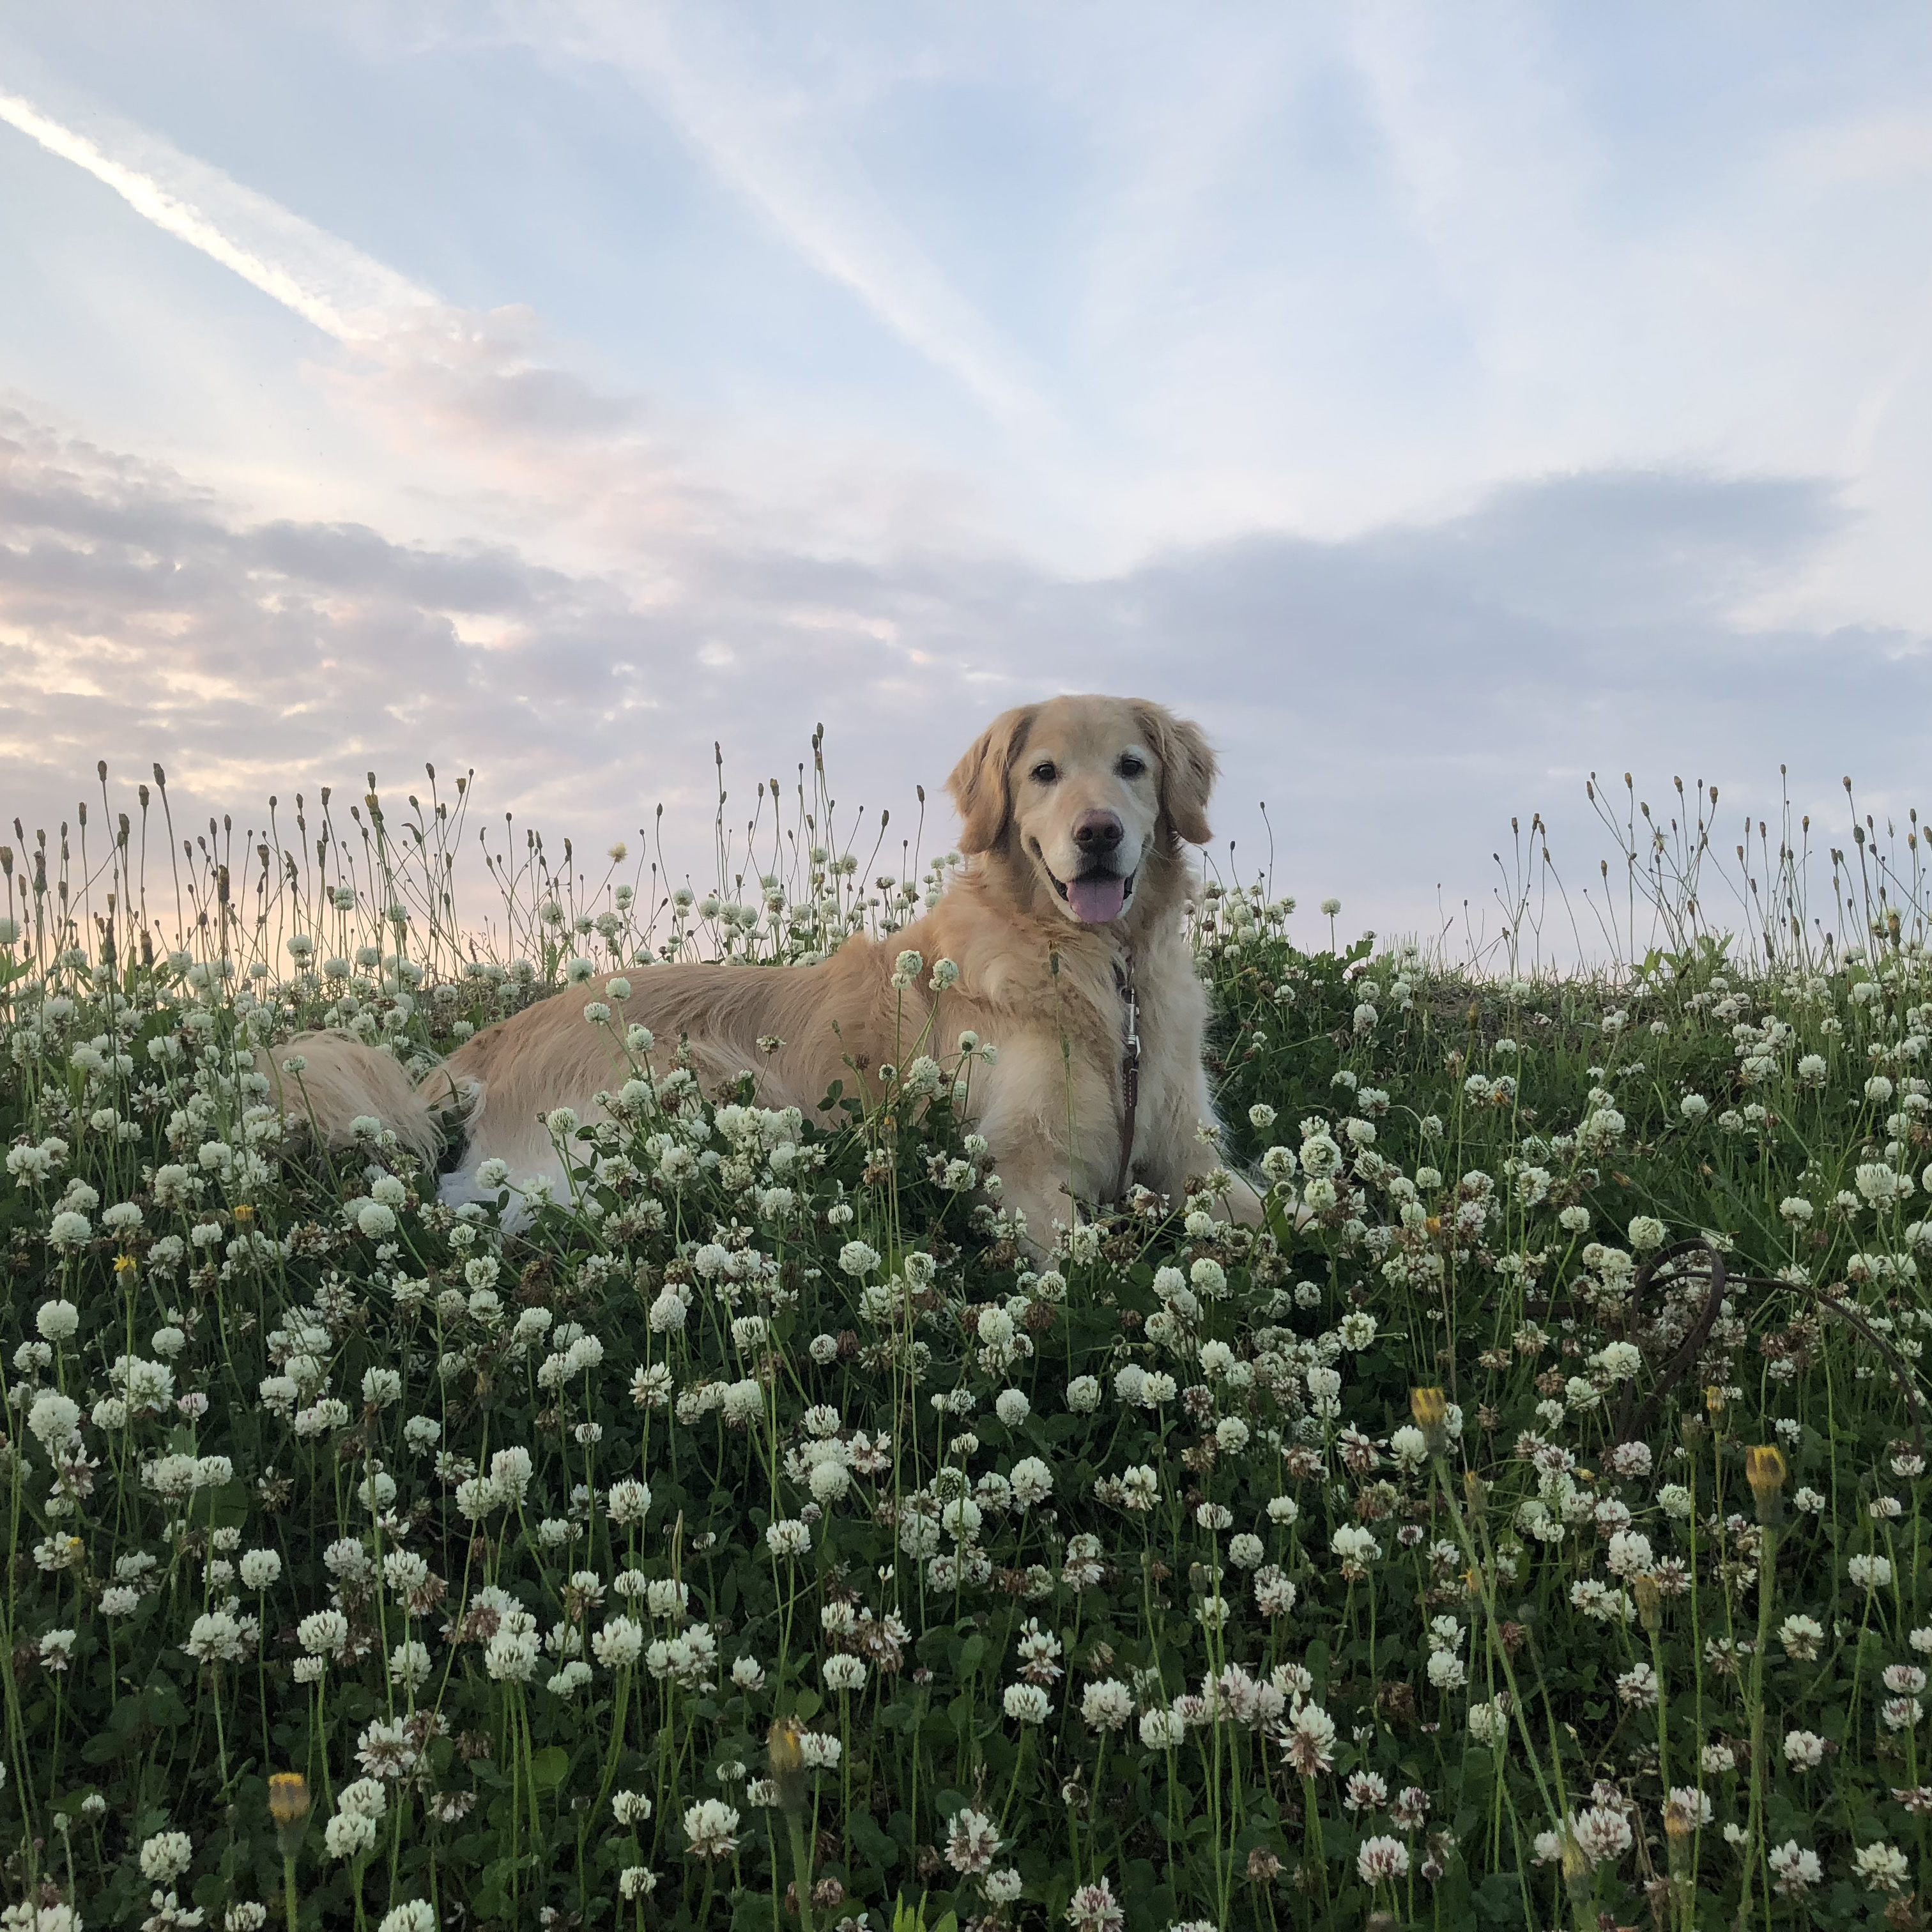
<point>1132,765</point>
<point>1045,773</point>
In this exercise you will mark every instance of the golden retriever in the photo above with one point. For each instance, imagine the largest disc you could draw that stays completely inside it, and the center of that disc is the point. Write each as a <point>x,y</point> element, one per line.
<point>1064,924</point>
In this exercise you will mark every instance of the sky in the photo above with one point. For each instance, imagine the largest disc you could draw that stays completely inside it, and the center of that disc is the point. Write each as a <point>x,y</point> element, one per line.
<point>1440,404</point>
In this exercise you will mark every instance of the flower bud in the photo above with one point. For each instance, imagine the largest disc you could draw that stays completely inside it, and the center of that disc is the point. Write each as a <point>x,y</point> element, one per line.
<point>289,1807</point>
<point>1649,1605</point>
<point>787,1758</point>
<point>1764,1470</point>
<point>1430,1408</point>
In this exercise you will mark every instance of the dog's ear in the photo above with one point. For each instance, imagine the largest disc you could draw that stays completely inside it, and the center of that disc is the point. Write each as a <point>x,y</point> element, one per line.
<point>1187,769</point>
<point>980,783</point>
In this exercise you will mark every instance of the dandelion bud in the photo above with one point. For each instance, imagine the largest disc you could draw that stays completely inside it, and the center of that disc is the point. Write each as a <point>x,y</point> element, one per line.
<point>1764,1470</point>
<point>1713,1401</point>
<point>1649,1607</point>
<point>1577,1864</point>
<point>1476,1490</point>
<point>786,1755</point>
<point>288,1806</point>
<point>1430,1408</point>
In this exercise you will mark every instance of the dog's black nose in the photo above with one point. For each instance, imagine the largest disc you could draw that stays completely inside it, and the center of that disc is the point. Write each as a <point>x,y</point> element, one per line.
<point>1097,832</point>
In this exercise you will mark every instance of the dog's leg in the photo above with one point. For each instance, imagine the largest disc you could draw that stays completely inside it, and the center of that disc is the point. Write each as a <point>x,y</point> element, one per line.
<point>1024,1108</point>
<point>1041,1197</point>
<point>1244,1204</point>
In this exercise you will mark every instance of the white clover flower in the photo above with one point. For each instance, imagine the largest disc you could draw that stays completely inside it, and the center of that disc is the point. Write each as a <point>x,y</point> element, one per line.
<point>511,1656</point>
<point>381,1386</point>
<point>1621,1361</point>
<point>216,1637</point>
<point>1884,1867</point>
<point>1311,1741</point>
<point>1870,1573</point>
<point>1804,1750</point>
<point>409,1664</point>
<point>1794,1868</point>
<point>1489,1722</point>
<point>1032,1482</point>
<point>349,1835</point>
<point>260,1569</point>
<point>1355,1544</point>
<point>1106,1705</point>
<point>1278,1164</point>
<point>960,1518</point>
<point>1602,1834</point>
<point>54,1419</point>
<point>69,1229</point>
<point>1162,1729</point>
<point>57,1321</point>
<point>1209,1277</point>
<point>323,1632</point>
<point>1878,1183</point>
<point>1629,1553</point>
<point>994,1327</point>
<point>417,1914</point>
<point>710,1830</point>
<point>166,1855</point>
<point>619,1644</point>
<point>1027,1703</point>
<point>1381,1860</point>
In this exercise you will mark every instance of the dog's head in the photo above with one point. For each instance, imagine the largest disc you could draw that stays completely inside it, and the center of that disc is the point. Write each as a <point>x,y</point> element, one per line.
<point>1088,792</point>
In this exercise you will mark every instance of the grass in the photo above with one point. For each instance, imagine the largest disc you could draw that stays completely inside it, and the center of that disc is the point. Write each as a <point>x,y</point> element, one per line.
<point>1535,1534</point>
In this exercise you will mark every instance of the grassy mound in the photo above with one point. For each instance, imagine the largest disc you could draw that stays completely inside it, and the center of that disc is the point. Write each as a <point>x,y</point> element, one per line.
<point>761,1539</point>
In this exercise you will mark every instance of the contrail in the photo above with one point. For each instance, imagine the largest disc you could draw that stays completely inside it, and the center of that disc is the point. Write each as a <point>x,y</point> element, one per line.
<point>342,291</point>
<point>820,203</point>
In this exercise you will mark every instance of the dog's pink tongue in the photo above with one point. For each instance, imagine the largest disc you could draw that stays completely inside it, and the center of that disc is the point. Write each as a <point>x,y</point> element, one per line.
<point>1096,900</point>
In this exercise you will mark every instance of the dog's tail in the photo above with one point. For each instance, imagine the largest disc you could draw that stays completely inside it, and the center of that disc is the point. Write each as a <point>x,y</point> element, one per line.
<point>340,1081</point>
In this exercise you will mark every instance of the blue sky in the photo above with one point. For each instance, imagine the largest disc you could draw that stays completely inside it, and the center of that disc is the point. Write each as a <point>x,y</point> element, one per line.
<point>1439,402</point>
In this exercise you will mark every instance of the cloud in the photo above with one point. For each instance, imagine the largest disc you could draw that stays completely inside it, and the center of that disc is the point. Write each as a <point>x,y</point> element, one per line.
<point>470,397</point>
<point>1395,698</point>
<point>142,619</point>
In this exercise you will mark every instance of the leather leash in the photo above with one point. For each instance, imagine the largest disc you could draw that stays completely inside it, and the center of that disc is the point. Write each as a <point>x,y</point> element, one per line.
<point>1130,1070</point>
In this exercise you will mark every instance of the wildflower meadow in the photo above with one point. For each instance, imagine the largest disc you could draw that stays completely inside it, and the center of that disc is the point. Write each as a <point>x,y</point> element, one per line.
<point>1525,1529</point>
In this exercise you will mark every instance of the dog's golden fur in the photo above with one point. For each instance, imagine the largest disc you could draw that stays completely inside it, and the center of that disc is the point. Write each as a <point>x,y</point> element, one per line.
<point>1052,1119</point>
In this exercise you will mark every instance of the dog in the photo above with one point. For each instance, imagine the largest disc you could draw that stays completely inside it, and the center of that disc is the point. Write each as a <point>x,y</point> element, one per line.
<point>1064,925</point>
